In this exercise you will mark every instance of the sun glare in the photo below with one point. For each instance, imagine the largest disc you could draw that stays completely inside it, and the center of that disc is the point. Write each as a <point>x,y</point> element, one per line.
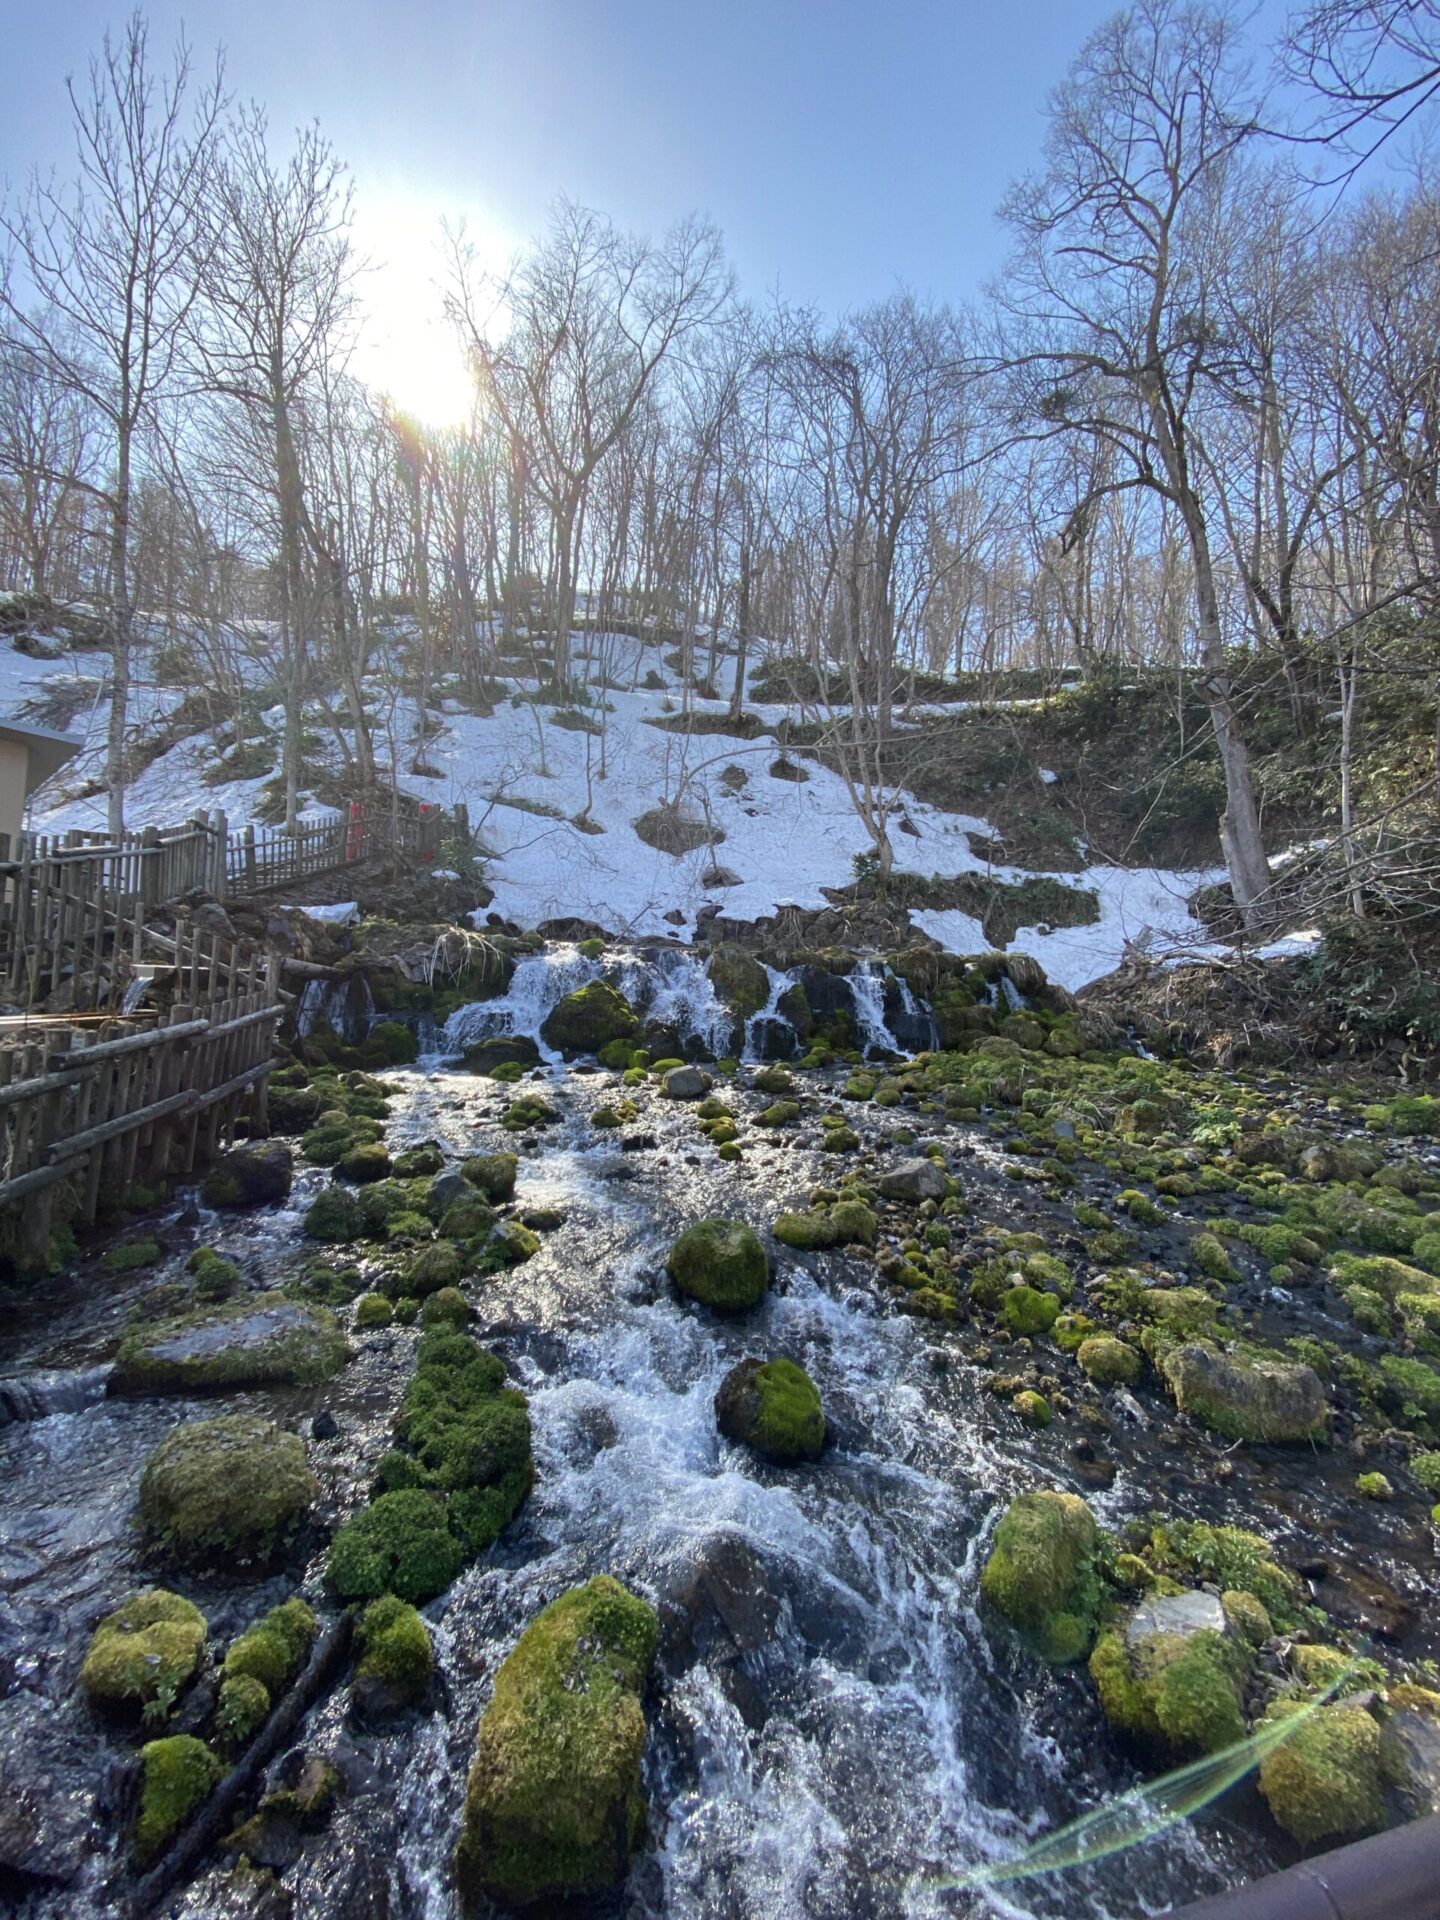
<point>407,350</point>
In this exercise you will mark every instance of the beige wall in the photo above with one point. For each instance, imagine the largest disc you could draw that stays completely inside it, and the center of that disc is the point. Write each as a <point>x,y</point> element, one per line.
<point>14,762</point>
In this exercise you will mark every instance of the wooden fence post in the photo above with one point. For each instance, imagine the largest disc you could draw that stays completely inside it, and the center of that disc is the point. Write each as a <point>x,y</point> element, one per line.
<point>151,855</point>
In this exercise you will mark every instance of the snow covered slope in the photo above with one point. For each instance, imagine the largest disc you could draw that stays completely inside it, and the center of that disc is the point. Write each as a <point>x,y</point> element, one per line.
<point>526,781</point>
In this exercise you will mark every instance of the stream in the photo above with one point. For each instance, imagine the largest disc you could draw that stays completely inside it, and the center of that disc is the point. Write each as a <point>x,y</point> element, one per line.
<point>831,1730</point>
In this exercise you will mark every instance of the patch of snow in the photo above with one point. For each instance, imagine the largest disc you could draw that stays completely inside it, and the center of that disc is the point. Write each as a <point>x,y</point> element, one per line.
<point>1047,776</point>
<point>339,914</point>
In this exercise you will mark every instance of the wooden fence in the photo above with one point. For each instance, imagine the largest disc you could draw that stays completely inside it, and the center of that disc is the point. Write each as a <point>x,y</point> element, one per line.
<point>114,1100</point>
<point>80,907</point>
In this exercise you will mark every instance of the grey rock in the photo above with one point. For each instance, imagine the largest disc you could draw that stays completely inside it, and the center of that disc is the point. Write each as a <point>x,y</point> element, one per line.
<point>1176,1613</point>
<point>686,1083</point>
<point>918,1179</point>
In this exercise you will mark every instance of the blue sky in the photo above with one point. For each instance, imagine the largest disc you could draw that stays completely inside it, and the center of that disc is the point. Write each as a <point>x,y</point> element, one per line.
<point>844,149</point>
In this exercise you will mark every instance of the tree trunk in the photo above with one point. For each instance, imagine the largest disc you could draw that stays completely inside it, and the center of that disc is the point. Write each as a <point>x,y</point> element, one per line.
<point>1240,838</point>
<point>121,627</point>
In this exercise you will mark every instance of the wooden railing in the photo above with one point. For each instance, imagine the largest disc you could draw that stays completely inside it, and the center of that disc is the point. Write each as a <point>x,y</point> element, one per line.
<point>136,1096</point>
<point>80,907</point>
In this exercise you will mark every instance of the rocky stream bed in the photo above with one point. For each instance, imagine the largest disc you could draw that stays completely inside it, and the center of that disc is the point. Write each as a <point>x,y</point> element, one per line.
<point>1030,1263</point>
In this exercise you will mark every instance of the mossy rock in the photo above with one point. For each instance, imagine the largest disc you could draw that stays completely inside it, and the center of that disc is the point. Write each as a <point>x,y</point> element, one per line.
<point>177,1775</point>
<point>131,1255</point>
<point>372,1310</point>
<point>1041,1574</point>
<point>416,1162</point>
<point>1244,1399</point>
<point>527,1112</point>
<point>367,1160</point>
<point>1033,1408</point>
<point>1176,1693</point>
<point>143,1655</point>
<point>400,1544</point>
<point>242,1707</point>
<point>774,1407</point>
<point>1107,1361</point>
<point>255,1341</point>
<point>275,1649</point>
<point>741,984</point>
<point>447,1308</point>
<point>783,1113</point>
<point>432,1268</point>
<point>395,1662</point>
<point>720,1263</point>
<point>509,1244</point>
<point>334,1217</point>
<point>553,1809</point>
<point>588,1019</point>
<point>1324,1782</point>
<point>233,1490</point>
<point>1026,1310</point>
<point>215,1277</point>
<point>250,1176</point>
<point>492,1174</point>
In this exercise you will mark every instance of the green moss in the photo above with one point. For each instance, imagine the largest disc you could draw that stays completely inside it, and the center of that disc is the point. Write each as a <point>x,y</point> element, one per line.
<point>553,1808</point>
<point>401,1544</point>
<point>509,1245</point>
<point>1247,1616</point>
<point>493,1174</point>
<point>588,1019</point>
<point>1191,1552</point>
<point>1382,1275</point>
<point>1262,1400</point>
<point>242,1707</point>
<point>1426,1469</point>
<point>1041,1574</point>
<point>526,1112</point>
<point>373,1310</point>
<point>367,1160</point>
<point>720,1263</point>
<point>253,1341</point>
<point>1374,1486</point>
<point>783,1113</point>
<point>177,1775</point>
<point>275,1649</point>
<point>133,1254</point>
<point>1409,1388</point>
<point>1179,1693</point>
<point>394,1650</point>
<point>1207,1252</point>
<point>1033,1408</point>
<point>1140,1208</point>
<point>1026,1311</point>
<point>774,1407</point>
<point>1107,1361</point>
<point>415,1162</point>
<point>235,1489</point>
<point>143,1655</point>
<point>1324,1782</point>
<point>431,1269</point>
<point>334,1217</point>
<point>447,1308</point>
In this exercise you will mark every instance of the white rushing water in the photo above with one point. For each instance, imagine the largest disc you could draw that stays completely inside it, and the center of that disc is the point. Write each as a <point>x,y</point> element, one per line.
<point>672,988</point>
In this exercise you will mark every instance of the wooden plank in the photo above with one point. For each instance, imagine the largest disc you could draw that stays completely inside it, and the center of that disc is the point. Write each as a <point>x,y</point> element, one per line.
<point>122,1123</point>
<point>132,1043</point>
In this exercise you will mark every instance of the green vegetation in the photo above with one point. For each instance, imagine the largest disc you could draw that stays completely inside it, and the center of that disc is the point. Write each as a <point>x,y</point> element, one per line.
<point>236,1489</point>
<point>1042,1573</point>
<point>553,1810</point>
<point>721,1264</point>
<point>144,1654</point>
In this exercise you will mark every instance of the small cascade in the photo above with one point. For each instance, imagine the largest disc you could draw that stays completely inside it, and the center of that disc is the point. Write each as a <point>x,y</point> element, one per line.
<point>867,992</point>
<point>135,992</point>
<point>345,1006</point>
<point>539,982</point>
<point>35,1396</point>
<point>671,991</point>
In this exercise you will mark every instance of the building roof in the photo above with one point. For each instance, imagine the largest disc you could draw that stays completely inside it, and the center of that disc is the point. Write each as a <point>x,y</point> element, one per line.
<point>48,751</point>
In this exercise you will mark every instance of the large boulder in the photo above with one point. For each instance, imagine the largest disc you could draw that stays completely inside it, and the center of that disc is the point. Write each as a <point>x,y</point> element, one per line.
<point>1244,1399</point>
<point>1041,1574</point>
<point>143,1655</point>
<point>686,1083</point>
<point>554,1810</point>
<point>774,1407</point>
<point>250,1176</point>
<point>720,1263</point>
<point>741,984</point>
<point>234,1490</point>
<point>502,1050</point>
<point>1324,1782</point>
<point>1173,1677</point>
<point>250,1342</point>
<point>917,1179</point>
<point>585,1020</point>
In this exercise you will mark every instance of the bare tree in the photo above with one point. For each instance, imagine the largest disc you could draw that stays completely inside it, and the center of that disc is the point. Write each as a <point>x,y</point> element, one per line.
<point>1120,237</point>
<point>590,316</point>
<point>101,284</point>
<point>278,274</point>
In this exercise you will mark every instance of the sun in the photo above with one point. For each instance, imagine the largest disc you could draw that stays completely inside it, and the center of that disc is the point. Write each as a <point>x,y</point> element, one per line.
<point>407,350</point>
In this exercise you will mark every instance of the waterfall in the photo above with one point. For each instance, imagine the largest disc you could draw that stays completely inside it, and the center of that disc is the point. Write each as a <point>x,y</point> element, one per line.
<point>867,990</point>
<point>345,1006</point>
<point>669,987</point>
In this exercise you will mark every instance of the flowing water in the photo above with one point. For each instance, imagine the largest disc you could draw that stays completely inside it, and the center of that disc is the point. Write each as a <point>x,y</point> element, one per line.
<point>832,1731</point>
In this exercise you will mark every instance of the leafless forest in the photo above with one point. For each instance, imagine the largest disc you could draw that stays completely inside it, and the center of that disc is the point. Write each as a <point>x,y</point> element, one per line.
<point>1193,427</point>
